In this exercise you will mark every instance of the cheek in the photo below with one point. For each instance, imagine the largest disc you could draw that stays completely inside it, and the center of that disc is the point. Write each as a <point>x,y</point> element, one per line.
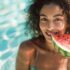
<point>43,27</point>
<point>63,27</point>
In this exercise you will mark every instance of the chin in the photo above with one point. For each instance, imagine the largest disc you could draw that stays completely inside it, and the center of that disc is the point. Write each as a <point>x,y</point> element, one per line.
<point>49,41</point>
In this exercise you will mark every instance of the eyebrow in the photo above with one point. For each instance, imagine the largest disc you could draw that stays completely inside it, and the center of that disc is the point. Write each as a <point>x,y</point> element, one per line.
<point>58,15</point>
<point>53,16</point>
<point>43,15</point>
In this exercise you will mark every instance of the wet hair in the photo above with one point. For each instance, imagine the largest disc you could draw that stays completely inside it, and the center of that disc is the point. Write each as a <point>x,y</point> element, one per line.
<point>38,4</point>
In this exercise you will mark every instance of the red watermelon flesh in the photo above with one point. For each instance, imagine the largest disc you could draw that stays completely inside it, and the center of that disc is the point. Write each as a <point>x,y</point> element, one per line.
<point>62,41</point>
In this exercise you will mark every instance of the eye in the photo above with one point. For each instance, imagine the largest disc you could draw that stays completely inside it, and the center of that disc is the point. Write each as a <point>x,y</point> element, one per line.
<point>58,19</point>
<point>58,22</point>
<point>43,19</point>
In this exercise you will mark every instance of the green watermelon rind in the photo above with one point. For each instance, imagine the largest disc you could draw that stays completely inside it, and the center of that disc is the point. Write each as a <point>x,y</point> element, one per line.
<point>61,50</point>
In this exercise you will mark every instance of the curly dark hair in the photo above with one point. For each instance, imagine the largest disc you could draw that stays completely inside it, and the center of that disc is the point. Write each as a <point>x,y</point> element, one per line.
<point>38,4</point>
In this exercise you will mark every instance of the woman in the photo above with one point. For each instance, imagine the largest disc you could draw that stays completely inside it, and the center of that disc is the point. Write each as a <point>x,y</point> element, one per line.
<point>39,53</point>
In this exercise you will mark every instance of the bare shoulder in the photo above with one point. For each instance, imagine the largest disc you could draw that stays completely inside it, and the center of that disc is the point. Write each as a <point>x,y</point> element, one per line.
<point>32,45</point>
<point>25,55</point>
<point>27,46</point>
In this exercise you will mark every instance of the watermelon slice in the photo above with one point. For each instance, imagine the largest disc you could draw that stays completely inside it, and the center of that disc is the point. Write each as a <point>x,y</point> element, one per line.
<point>62,44</point>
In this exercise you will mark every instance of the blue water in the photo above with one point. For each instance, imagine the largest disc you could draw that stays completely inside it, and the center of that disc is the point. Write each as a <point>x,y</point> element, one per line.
<point>14,30</point>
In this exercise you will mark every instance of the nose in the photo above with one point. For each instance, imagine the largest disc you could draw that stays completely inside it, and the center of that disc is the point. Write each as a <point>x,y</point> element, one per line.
<point>51,27</point>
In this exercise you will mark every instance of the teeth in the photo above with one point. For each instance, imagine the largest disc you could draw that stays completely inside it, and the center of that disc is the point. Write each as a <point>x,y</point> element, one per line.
<point>52,33</point>
<point>55,33</point>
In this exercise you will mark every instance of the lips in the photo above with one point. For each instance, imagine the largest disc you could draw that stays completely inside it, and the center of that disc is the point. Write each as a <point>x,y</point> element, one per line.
<point>51,33</point>
<point>48,35</point>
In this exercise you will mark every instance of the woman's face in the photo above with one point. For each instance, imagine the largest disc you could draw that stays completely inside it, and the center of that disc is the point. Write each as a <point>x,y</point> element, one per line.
<point>52,19</point>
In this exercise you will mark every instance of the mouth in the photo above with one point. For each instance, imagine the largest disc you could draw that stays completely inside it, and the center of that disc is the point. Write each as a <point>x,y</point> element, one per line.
<point>48,34</point>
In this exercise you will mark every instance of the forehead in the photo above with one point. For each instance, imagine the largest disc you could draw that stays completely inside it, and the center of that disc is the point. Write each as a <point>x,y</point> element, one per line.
<point>50,9</point>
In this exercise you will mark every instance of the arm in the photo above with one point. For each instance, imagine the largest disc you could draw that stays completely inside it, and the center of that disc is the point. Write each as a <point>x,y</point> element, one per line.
<point>25,55</point>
